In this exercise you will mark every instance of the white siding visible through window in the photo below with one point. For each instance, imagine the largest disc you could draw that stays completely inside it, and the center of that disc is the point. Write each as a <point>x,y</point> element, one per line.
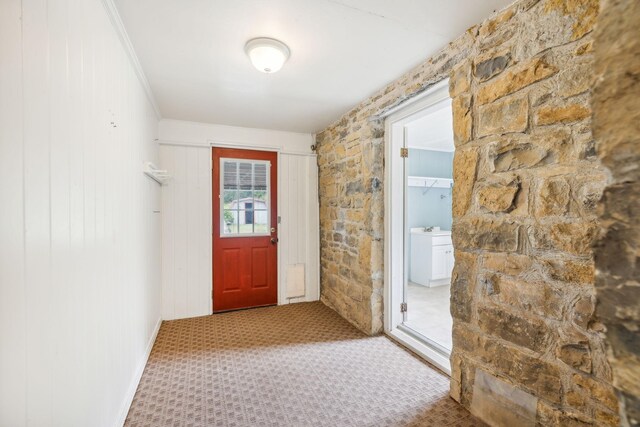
<point>245,197</point>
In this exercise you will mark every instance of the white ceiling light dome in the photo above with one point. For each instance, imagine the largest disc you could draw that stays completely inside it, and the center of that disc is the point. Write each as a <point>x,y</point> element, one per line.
<point>267,55</point>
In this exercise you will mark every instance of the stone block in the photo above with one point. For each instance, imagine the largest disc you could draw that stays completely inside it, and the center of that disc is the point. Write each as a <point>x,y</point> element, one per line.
<point>485,233</point>
<point>571,237</point>
<point>488,68</point>
<point>514,79</point>
<point>597,390</point>
<point>491,25</point>
<point>460,79</point>
<point>504,116</point>
<point>462,119</point>
<point>519,329</point>
<point>530,296</point>
<point>465,164</point>
<point>587,189</point>
<point>463,285</point>
<point>552,197</point>
<point>575,80</point>
<point>570,270</point>
<point>576,355</point>
<point>551,416</point>
<point>549,115</point>
<point>499,198</point>
<point>583,310</point>
<point>606,418</point>
<point>583,13</point>
<point>510,264</point>
<point>513,156</point>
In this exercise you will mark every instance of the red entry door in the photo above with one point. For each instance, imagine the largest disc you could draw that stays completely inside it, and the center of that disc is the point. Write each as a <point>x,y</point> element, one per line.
<point>245,236</point>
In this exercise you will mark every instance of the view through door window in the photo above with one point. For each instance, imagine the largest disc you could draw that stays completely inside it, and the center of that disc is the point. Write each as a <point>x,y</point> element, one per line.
<point>245,193</point>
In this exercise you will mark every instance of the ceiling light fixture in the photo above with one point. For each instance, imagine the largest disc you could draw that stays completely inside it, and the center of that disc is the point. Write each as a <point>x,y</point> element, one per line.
<point>266,54</point>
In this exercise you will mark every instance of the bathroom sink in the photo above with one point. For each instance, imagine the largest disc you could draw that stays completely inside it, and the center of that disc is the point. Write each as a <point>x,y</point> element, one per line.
<point>422,230</point>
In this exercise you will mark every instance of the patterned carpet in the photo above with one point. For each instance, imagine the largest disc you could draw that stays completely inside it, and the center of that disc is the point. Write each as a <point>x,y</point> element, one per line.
<point>293,365</point>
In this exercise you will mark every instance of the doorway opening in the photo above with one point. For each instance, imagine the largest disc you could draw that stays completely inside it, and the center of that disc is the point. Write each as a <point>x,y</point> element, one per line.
<point>418,216</point>
<point>245,235</point>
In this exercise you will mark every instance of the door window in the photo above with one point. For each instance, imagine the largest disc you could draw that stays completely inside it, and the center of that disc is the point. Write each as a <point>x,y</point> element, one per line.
<point>245,193</point>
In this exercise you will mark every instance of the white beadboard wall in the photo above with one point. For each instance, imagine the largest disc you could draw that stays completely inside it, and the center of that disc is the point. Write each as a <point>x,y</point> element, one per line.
<point>80,296</point>
<point>185,152</point>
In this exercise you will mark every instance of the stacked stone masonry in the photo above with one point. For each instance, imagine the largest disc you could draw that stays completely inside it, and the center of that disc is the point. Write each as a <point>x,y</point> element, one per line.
<point>616,115</point>
<point>527,184</point>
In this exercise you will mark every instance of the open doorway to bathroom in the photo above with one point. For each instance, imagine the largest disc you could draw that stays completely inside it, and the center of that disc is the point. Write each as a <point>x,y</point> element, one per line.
<point>429,184</point>
<point>418,218</point>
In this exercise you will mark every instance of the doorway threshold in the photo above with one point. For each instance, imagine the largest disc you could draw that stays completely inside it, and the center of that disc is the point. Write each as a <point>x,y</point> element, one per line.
<point>417,344</point>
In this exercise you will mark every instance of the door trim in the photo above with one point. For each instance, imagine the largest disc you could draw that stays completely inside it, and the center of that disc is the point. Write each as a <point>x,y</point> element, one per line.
<point>394,232</point>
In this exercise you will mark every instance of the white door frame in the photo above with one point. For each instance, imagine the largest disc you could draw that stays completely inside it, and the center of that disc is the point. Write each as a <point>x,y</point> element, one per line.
<point>395,244</point>
<point>313,295</point>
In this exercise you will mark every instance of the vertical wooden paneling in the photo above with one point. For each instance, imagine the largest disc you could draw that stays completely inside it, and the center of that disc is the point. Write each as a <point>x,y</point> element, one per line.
<point>35,55</point>
<point>186,232</point>
<point>180,238</point>
<point>79,245</point>
<point>168,235</point>
<point>205,230</point>
<point>312,242</point>
<point>192,235</point>
<point>61,263</point>
<point>13,304</point>
<point>186,227</point>
<point>299,226</point>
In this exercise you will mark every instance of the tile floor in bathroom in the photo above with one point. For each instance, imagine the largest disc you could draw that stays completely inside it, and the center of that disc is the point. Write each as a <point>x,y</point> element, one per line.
<point>428,312</point>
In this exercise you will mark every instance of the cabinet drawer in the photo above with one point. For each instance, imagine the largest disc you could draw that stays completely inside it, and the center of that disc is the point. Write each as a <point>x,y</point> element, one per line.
<point>440,240</point>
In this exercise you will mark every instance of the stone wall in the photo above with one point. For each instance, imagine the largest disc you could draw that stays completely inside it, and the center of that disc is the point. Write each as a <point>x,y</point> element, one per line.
<point>527,182</point>
<point>616,111</point>
<point>350,161</point>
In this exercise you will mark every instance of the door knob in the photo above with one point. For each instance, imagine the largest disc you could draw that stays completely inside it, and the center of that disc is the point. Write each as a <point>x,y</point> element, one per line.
<point>274,240</point>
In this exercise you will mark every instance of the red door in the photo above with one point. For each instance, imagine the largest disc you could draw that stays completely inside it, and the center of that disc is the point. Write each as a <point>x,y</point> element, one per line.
<point>245,236</point>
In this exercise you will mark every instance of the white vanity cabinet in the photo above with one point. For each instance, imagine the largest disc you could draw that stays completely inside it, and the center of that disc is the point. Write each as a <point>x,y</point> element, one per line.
<point>431,257</point>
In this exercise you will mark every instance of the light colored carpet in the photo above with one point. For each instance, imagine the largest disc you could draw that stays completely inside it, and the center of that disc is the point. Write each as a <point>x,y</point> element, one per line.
<point>293,365</point>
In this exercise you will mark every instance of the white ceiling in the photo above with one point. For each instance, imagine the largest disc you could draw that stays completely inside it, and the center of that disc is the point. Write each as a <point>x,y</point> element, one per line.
<point>432,131</point>
<point>342,51</point>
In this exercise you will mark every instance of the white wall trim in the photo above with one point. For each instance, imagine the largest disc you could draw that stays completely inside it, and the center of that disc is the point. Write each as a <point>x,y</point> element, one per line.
<point>429,92</point>
<point>232,144</point>
<point>244,146</point>
<point>135,381</point>
<point>118,25</point>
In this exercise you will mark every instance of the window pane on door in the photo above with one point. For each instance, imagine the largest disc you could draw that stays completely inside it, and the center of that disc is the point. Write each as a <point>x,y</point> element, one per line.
<point>245,195</point>
<point>230,222</point>
<point>260,176</point>
<point>261,224</point>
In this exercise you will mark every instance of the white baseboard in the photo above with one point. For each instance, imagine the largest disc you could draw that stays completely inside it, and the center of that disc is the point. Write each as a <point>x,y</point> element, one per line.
<point>131,392</point>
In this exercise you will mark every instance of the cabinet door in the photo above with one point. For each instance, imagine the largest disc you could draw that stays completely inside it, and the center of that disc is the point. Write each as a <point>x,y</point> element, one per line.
<point>450,260</point>
<point>439,262</point>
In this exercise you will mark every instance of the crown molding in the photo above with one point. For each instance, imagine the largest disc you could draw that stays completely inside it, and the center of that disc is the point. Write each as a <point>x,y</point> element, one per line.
<point>116,21</point>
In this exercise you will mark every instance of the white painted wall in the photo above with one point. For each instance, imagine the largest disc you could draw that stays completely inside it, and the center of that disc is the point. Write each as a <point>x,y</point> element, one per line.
<point>79,240</point>
<point>186,205</point>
